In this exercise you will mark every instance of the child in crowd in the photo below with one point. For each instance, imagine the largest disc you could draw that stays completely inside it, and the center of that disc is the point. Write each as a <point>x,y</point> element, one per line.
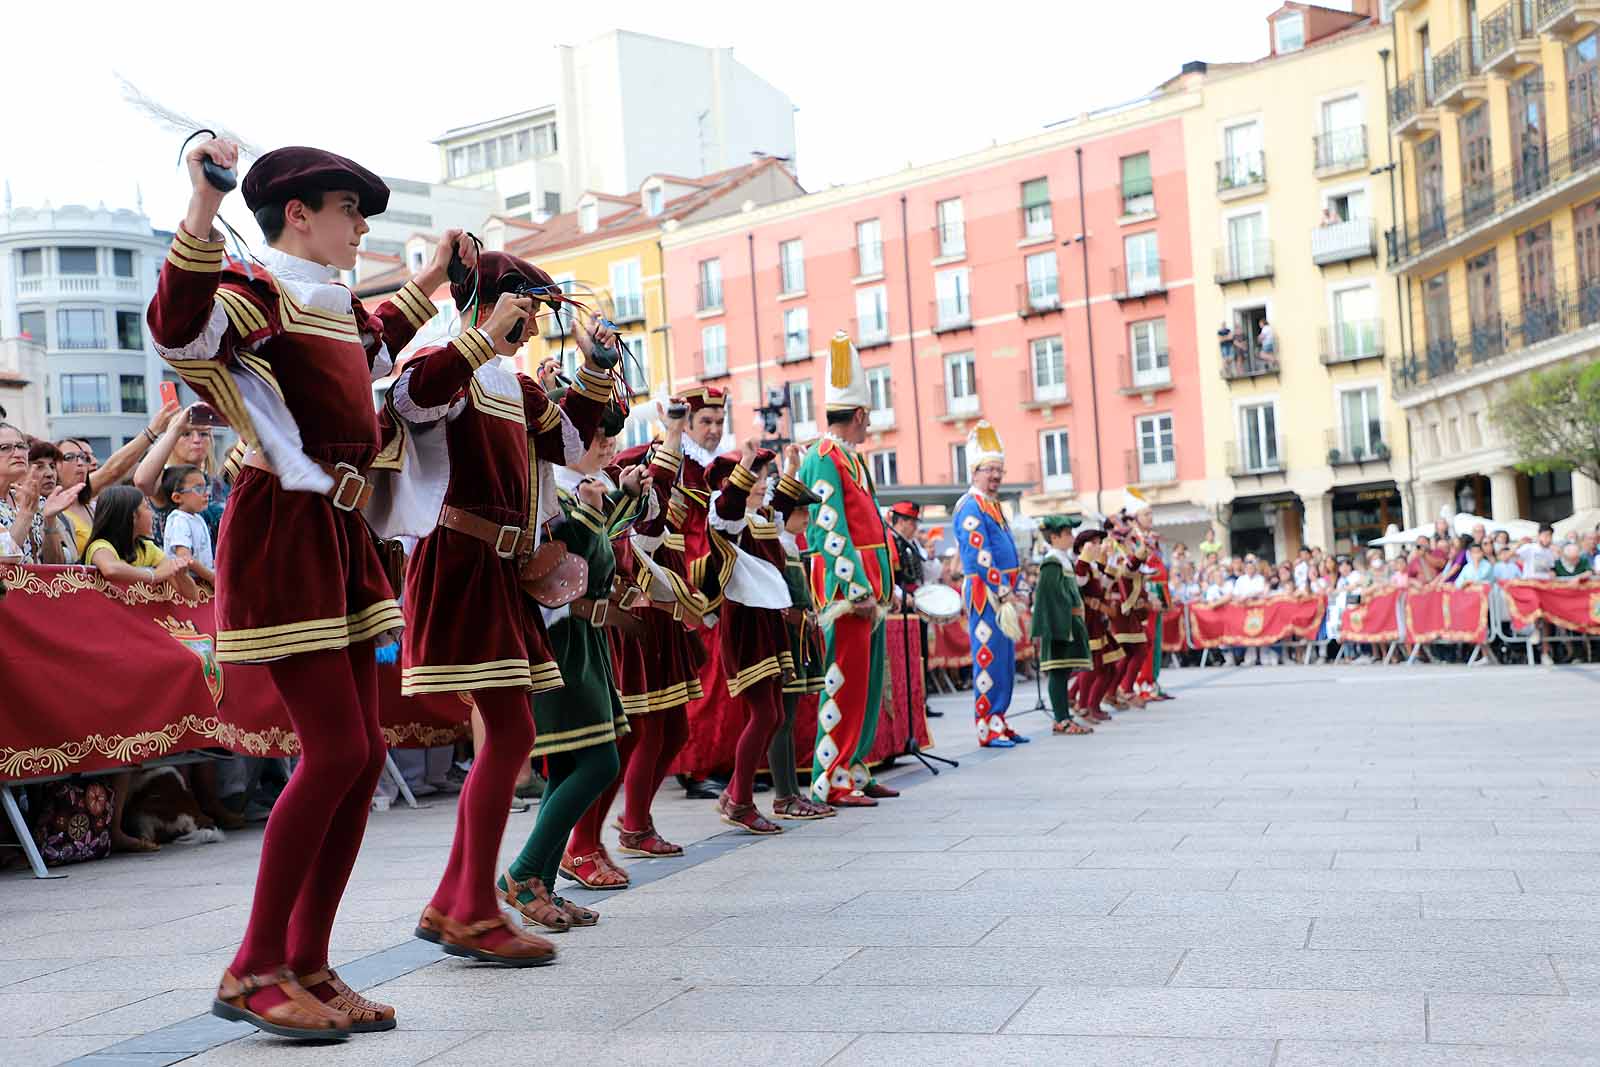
<point>120,547</point>
<point>186,535</point>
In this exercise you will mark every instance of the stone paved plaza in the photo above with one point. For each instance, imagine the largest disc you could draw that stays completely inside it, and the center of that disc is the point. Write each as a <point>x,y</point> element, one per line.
<point>1288,866</point>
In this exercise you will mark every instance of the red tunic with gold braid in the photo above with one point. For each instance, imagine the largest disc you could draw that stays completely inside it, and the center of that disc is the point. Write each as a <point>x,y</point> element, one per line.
<point>753,642</point>
<point>1097,614</point>
<point>246,343</point>
<point>659,668</point>
<point>471,625</point>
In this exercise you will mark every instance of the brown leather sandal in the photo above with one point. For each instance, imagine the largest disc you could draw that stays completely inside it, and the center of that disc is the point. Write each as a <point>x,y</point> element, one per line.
<point>467,940</point>
<point>647,843</point>
<point>302,1017</point>
<point>593,871</point>
<point>745,817</point>
<point>366,1016</point>
<point>799,809</point>
<point>541,910</point>
<point>577,914</point>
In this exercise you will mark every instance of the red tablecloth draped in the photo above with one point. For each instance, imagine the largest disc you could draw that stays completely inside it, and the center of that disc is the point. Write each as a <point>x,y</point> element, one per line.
<point>1572,604</point>
<point>891,737</point>
<point>1172,632</point>
<point>98,675</point>
<point>1448,614</point>
<point>1259,622</point>
<point>1376,619</point>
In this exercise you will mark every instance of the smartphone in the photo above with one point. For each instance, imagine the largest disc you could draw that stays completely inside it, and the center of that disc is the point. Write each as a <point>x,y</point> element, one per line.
<point>205,415</point>
<point>169,393</point>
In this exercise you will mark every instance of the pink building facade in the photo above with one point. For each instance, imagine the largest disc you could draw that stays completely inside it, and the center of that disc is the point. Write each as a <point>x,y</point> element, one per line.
<point>963,284</point>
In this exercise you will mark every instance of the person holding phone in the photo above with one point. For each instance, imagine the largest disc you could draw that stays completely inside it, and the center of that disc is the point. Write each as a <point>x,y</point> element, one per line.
<point>187,442</point>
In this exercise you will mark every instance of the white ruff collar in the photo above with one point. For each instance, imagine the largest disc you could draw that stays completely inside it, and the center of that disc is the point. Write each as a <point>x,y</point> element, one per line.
<point>692,450</point>
<point>841,442</point>
<point>307,281</point>
<point>791,544</point>
<point>1061,554</point>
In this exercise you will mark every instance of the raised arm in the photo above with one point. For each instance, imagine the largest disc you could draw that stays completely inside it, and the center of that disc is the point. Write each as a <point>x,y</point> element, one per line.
<point>390,327</point>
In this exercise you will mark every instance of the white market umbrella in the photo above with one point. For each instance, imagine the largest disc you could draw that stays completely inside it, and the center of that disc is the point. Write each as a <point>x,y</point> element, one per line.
<point>1578,523</point>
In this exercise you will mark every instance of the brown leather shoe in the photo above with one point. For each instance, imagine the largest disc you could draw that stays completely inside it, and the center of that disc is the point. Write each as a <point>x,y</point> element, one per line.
<point>853,799</point>
<point>878,791</point>
<point>302,1017</point>
<point>466,940</point>
<point>366,1016</point>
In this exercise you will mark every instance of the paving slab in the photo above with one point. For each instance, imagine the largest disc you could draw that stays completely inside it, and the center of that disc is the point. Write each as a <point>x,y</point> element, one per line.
<point>1285,866</point>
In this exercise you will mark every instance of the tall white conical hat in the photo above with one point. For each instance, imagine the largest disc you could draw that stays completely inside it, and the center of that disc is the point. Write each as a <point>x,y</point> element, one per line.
<point>983,446</point>
<point>847,382</point>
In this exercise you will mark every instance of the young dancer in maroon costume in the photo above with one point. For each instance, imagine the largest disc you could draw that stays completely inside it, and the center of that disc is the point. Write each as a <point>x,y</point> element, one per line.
<point>472,628</point>
<point>655,667</point>
<point>287,355</point>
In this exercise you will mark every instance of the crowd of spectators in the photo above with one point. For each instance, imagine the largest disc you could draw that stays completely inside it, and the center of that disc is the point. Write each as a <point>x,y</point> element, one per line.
<point>1433,561</point>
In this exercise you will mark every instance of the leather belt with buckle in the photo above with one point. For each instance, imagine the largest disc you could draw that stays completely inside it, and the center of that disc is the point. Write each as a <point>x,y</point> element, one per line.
<point>604,612</point>
<point>508,542</point>
<point>351,488</point>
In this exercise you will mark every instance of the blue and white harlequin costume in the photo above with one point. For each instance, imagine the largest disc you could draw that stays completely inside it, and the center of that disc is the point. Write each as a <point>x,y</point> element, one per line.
<point>989,565</point>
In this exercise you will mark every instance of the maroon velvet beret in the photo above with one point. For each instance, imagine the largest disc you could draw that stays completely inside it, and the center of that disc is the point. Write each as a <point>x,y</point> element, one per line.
<point>285,174</point>
<point>498,273</point>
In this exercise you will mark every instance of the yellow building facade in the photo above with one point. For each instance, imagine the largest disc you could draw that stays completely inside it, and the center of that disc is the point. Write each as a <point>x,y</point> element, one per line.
<point>1495,112</point>
<point>1295,310</point>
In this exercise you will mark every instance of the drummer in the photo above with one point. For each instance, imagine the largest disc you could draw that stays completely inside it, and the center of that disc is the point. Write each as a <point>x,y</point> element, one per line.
<point>911,561</point>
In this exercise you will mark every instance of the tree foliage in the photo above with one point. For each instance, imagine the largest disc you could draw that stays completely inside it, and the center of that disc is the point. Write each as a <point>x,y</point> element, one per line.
<point>1551,419</point>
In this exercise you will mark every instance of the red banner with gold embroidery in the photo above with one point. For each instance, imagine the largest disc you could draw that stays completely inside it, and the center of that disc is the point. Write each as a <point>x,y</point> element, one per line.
<point>1448,614</point>
<point>1172,634</point>
<point>1376,619</point>
<point>1256,622</point>
<point>98,675</point>
<point>1572,604</point>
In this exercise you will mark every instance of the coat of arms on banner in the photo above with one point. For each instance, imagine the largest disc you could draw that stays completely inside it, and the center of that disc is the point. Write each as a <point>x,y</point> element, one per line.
<point>203,646</point>
<point>1255,620</point>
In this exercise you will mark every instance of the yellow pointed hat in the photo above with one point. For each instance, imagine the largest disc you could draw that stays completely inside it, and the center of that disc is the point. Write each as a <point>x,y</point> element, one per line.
<point>847,382</point>
<point>984,446</point>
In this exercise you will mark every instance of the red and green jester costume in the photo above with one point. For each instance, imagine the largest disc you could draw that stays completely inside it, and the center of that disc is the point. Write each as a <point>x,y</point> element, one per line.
<point>849,563</point>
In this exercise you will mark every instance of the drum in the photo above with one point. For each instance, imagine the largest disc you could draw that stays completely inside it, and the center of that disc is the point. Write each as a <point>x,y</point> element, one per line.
<point>937,603</point>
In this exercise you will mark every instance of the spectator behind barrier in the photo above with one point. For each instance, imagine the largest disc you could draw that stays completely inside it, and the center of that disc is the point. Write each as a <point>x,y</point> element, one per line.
<point>27,515</point>
<point>120,547</point>
<point>185,535</point>
<point>78,466</point>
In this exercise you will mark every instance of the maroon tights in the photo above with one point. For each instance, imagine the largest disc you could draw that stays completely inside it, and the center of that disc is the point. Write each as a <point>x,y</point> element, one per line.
<point>315,830</point>
<point>1130,668</point>
<point>466,891</point>
<point>763,704</point>
<point>660,735</point>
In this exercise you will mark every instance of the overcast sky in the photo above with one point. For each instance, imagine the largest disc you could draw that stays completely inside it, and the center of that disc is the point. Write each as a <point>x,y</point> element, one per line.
<point>877,85</point>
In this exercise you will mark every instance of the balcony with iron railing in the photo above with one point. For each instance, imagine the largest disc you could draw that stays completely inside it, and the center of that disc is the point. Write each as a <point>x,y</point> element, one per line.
<point>1250,362</point>
<point>1564,18</point>
<point>1040,296</point>
<point>869,259</point>
<point>1566,172</point>
<point>627,307</point>
<point>1343,241</point>
<point>870,332</point>
<point>1565,312</point>
<point>1254,458</point>
<point>1338,151</point>
<point>555,325</point>
<point>708,296</point>
<point>1351,341</point>
<point>1139,280</point>
<point>1241,175</point>
<point>1510,38</point>
<point>1243,262</point>
<point>1411,107</point>
<point>80,344</point>
<point>1042,395</point>
<point>1144,373</point>
<point>1357,446</point>
<point>951,314</point>
<point>1458,74</point>
<point>74,286</point>
<point>1142,466</point>
<point>793,346</point>
<point>713,362</point>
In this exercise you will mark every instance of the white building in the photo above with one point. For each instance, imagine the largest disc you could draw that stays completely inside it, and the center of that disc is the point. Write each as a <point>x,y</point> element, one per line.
<point>428,209</point>
<point>77,280</point>
<point>22,382</point>
<point>629,106</point>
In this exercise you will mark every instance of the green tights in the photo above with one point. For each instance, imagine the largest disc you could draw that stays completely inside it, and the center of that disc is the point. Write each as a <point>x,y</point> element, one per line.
<point>575,780</point>
<point>1056,682</point>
